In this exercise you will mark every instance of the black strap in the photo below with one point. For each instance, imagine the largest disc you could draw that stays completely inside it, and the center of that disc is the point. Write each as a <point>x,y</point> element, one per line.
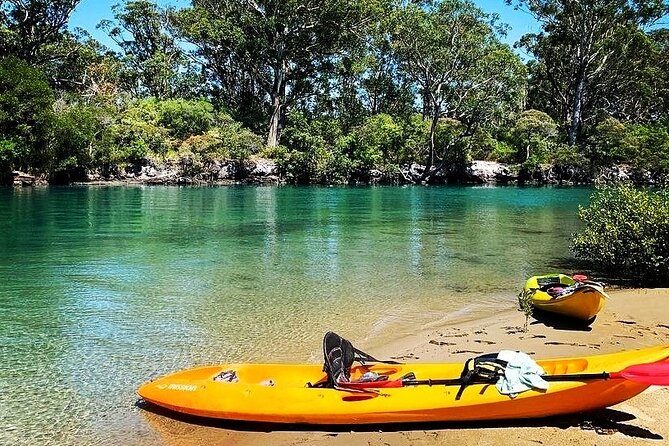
<point>486,370</point>
<point>465,378</point>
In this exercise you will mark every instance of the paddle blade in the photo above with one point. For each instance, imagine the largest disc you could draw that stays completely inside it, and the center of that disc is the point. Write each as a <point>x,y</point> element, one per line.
<point>654,374</point>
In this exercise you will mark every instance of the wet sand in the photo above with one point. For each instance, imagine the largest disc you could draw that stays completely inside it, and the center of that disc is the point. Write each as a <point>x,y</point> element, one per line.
<point>630,319</point>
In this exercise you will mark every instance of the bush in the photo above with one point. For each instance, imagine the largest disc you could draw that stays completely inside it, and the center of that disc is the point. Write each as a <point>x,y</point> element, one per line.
<point>372,143</point>
<point>534,136</point>
<point>185,118</point>
<point>415,133</point>
<point>311,151</point>
<point>229,140</point>
<point>483,145</point>
<point>626,233</point>
<point>7,154</point>
<point>503,153</point>
<point>25,114</point>
<point>76,130</point>
<point>450,141</point>
<point>643,146</point>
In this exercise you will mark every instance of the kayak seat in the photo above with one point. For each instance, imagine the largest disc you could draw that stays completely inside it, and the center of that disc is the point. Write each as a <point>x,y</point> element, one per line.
<point>555,291</point>
<point>339,356</point>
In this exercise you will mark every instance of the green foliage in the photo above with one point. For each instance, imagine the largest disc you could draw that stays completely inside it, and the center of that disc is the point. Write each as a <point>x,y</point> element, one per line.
<point>227,140</point>
<point>265,54</point>
<point>566,156</point>
<point>188,128</point>
<point>525,305</point>
<point>534,136</point>
<point>310,154</point>
<point>372,143</point>
<point>603,141</point>
<point>643,146</point>
<point>185,118</point>
<point>138,127</point>
<point>646,146</point>
<point>317,151</point>
<point>450,65</point>
<point>450,140</point>
<point>7,154</point>
<point>153,63</point>
<point>593,58</point>
<point>503,152</point>
<point>32,30</point>
<point>482,144</point>
<point>366,85</point>
<point>26,116</point>
<point>626,232</point>
<point>76,129</point>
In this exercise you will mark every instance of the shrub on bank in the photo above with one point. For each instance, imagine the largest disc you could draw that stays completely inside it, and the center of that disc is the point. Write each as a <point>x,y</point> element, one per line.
<point>626,233</point>
<point>26,116</point>
<point>642,146</point>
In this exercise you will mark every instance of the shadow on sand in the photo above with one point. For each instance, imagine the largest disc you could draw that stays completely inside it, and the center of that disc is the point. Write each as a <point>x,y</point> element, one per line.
<point>603,422</point>
<point>560,322</point>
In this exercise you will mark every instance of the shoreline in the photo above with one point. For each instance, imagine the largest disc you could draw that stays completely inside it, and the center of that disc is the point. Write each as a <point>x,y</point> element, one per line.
<point>632,318</point>
<point>265,171</point>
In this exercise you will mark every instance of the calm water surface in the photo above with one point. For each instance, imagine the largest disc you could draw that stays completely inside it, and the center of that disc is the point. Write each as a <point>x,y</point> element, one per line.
<point>104,288</point>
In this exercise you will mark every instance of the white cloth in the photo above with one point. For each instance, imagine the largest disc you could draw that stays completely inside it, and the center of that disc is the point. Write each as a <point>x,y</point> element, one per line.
<point>521,374</point>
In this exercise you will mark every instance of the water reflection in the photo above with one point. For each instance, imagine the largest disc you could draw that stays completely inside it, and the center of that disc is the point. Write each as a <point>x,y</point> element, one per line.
<point>104,288</point>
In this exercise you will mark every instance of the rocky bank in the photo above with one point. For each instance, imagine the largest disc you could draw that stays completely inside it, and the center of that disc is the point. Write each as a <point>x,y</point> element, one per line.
<point>266,171</point>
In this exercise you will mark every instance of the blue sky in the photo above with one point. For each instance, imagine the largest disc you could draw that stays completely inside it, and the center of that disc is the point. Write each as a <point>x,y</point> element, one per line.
<point>90,12</point>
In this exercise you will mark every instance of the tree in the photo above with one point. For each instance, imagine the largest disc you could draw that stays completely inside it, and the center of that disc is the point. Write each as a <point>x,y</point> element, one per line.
<point>533,132</point>
<point>153,60</point>
<point>36,31</point>
<point>30,28</point>
<point>271,51</point>
<point>660,38</point>
<point>25,116</point>
<point>578,49</point>
<point>459,68</point>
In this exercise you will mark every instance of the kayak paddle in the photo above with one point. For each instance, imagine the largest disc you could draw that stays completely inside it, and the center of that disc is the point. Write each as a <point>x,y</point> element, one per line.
<point>656,374</point>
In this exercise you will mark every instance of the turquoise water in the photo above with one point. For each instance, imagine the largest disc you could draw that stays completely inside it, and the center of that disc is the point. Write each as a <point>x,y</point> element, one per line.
<point>103,288</point>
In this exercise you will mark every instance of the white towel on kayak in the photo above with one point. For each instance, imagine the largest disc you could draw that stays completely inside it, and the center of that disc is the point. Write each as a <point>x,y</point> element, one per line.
<point>520,374</point>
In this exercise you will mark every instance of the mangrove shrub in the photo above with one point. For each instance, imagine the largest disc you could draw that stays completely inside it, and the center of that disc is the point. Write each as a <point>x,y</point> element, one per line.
<point>626,233</point>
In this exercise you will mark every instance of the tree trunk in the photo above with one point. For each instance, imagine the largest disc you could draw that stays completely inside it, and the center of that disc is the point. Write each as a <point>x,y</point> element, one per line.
<point>431,147</point>
<point>278,96</point>
<point>577,107</point>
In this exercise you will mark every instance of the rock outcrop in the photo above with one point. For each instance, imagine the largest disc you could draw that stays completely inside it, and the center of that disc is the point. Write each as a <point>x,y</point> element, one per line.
<point>195,171</point>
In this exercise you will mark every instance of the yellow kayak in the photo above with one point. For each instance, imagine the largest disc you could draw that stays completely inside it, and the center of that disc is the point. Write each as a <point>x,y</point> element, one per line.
<point>559,293</point>
<point>289,393</point>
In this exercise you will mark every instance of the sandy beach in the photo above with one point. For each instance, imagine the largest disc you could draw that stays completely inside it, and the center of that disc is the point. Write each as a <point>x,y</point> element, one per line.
<point>631,318</point>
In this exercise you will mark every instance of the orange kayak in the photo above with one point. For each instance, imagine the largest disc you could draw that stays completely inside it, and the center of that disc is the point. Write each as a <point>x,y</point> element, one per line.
<point>281,393</point>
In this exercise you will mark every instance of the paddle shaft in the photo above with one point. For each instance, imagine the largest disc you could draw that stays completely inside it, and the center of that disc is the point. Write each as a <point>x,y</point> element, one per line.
<point>458,381</point>
<point>654,374</point>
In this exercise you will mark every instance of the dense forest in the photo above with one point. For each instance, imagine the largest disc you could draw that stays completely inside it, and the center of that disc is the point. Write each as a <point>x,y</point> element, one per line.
<point>334,91</point>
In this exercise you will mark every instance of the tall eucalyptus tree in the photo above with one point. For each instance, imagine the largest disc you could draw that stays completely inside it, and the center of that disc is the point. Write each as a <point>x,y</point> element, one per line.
<point>460,69</point>
<point>153,60</point>
<point>579,49</point>
<point>271,50</point>
<point>29,28</point>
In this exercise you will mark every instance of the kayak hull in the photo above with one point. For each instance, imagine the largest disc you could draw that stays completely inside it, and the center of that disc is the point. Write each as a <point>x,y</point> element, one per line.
<point>279,393</point>
<point>584,303</point>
